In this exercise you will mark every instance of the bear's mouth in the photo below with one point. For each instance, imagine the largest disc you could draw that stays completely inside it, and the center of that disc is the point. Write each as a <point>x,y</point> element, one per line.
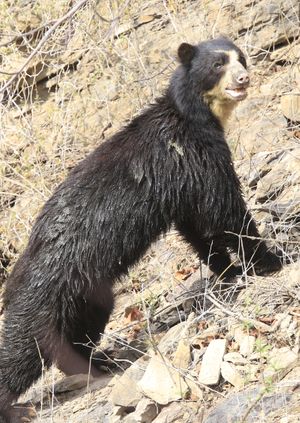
<point>238,93</point>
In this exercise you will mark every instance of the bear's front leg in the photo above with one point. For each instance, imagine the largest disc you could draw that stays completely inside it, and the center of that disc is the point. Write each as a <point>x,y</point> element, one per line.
<point>212,251</point>
<point>252,250</point>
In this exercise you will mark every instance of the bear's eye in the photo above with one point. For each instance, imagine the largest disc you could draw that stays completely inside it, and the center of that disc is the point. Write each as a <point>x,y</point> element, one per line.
<point>242,60</point>
<point>217,65</point>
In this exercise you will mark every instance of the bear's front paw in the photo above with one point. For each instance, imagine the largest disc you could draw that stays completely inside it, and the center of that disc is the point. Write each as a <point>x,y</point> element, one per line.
<point>268,264</point>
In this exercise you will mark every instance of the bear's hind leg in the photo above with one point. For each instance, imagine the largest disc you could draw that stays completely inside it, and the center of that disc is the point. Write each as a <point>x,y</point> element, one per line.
<point>71,362</point>
<point>18,413</point>
<point>20,367</point>
<point>77,352</point>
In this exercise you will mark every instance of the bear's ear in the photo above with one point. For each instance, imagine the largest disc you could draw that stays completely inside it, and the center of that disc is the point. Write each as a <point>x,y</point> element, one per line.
<point>186,52</point>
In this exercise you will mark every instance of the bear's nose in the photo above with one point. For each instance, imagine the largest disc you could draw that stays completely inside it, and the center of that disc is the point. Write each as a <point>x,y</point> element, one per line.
<point>243,78</point>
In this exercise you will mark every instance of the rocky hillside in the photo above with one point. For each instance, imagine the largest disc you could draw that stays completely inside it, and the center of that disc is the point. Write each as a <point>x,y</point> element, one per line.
<point>71,74</point>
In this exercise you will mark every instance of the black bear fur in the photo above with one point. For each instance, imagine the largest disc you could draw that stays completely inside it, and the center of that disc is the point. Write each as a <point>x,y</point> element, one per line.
<point>170,165</point>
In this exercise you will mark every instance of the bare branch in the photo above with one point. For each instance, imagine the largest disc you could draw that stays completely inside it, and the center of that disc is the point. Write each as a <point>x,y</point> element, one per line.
<point>26,34</point>
<point>45,38</point>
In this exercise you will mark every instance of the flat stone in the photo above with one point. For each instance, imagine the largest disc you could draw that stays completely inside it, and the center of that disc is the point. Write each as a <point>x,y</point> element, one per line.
<point>161,382</point>
<point>247,344</point>
<point>145,412</point>
<point>169,341</point>
<point>249,372</point>
<point>281,361</point>
<point>211,331</point>
<point>235,358</point>
<point>71,383</point>
<point>231,375</point>
<point>278,184</point>
<point>289,53</point>
<point>182,356</point>
<point>126,392</point>
<point>259,356</point>
<point>285,322</point>
<point>211,364</point>
<point>262,134</point>
<point>237,332</point>
<point>195,389</point>
<point>171,414</point>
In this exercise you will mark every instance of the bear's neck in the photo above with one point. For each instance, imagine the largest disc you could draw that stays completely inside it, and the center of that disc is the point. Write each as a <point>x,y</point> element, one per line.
<point>182,93</point>
<point>192,105</point>
<point>221,109</point>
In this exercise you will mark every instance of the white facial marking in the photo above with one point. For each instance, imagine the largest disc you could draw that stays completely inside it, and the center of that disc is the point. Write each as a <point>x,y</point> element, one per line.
<point>233,56</point>
<point>227,93</point>
<point>232,66</point>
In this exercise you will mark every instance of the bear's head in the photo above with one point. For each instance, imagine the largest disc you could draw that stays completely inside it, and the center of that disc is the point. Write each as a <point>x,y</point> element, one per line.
<point>217,72</point>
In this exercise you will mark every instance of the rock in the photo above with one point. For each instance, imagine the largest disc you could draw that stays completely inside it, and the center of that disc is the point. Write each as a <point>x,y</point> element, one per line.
<point>290,106</point>
<point>211,364</point>
<point>237,332</point>
<point>247,344</point>
<point>145,412</point>
<point>233,409</point>
<point>95,413</point>
<point>285,322</point>
<point>106,89</point>
<point>235,358</point>
<point>287,205</point>
<point>182,355</point>
<point>180,301</point>
<point>252,169</point>
<point>126,392</point>
<point>178,413</point>
<point>169,341</point>
<point>270,186</point>
<point>284,173</point>
<point>117,415</point>
<point>281,361</point>
<point>196,356</point>
<point>258,168</point>
<point>231,375</point>
<point>259,356</point>
<point>211,332</point>
<point>292,377</point>
<point>292,329</point>
<point>171,414</point>
<point>81,383</point>
<point>249,372</point>
<point>262,134</point>
<point>161,382</point>
<point>195,389</point>
<point>290,53</point>
<point>71,383</point>
<point>278,83</point>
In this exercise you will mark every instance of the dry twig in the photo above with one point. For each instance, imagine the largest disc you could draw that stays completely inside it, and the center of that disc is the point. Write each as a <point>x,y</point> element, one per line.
<point>45,38</point>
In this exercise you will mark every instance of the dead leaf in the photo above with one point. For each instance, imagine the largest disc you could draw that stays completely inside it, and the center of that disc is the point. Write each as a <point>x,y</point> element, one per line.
<point>133,314</point>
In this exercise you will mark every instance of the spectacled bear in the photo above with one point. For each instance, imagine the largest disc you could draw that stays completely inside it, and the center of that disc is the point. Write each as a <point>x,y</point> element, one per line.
<point>170,165</point>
